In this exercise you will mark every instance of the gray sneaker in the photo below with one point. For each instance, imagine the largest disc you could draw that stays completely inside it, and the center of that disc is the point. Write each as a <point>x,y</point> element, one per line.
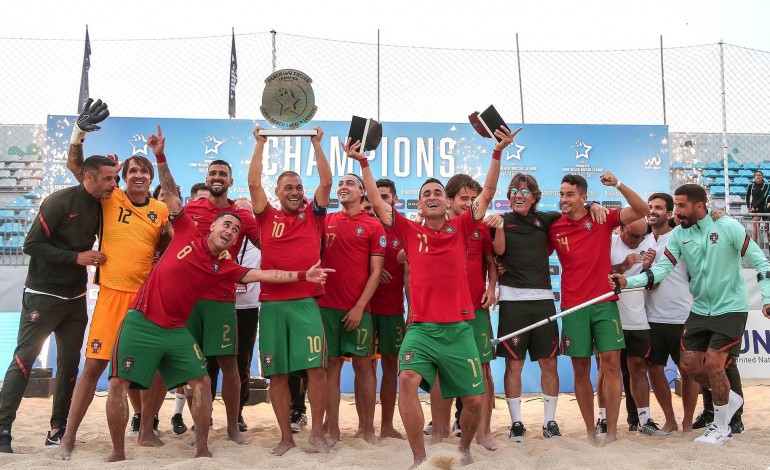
<point>601,427</point>
<point>298,421</point>
<point>651,429</point>
<point>428,429</point>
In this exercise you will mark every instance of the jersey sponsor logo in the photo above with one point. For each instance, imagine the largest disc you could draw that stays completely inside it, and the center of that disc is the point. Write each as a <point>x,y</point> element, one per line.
<point>34,315</point>
<point>383,241</point>
<point>361,347</point>
<point>225,346</point>
<point>359,231</point>
<point>96,345</point>
<point>559,234</point>
<point>486,354</point>
<point>407,357</point>
<point>197,217</point>
<point>72,216</point>
<point>268,360</point>
<point>128,363</point>
<point>152,216</point>
<point>588,225</point>
<point>330,226</point>
<point>714,237</point>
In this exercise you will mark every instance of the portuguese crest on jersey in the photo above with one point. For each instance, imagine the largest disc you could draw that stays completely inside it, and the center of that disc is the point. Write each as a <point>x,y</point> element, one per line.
<point>567,343</point>
<point>34,315</point>
<point>268,360</point>
<point>476,234</point>
<point>152,216</point>
<point>359,231</point>
<point>301,216</point>
<point>449,230</point>
<point>714,237</point>
<point>588,225</point>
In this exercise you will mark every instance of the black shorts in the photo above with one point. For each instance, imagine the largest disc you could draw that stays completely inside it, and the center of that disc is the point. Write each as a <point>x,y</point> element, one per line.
<point>720,332</point>
<point>542,342</point>
<point>637,343</point>
<point>666,339</point>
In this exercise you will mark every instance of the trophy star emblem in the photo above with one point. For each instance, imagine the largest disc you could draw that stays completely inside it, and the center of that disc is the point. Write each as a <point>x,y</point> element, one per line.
<point>288,101</point>
<point>215,149</point>
<point>517,154</point>
<point>138,144</point>
<point>581,149</point>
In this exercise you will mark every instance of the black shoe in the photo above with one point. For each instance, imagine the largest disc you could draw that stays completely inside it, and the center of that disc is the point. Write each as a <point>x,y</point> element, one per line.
<point>242,427</point>
<point>651,429</point>
<point>298,421</point>
<point>133,429</point>
<point>517,432</point>
<point>601,427</point>
<point>551,430</point>
<point>177,424</point>
<point>5,441</point>
<point>456,431</point>
<point>55,440</point>
<point>633,427</point>
<point>428,429</point>
<point>736,426</point>
<point>703,420</point>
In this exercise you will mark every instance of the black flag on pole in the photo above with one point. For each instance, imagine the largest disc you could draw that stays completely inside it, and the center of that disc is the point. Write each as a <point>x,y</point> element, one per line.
<point>233,77</point>
<point>84,74</point>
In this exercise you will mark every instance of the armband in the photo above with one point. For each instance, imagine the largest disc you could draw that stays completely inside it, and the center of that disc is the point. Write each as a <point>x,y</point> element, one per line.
<point>161,158</point>
<point>364,163</point>
<point>496,154</point>
<point>650,279</point>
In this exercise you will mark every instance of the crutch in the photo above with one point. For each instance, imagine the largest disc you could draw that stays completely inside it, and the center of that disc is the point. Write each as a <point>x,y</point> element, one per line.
<point>564,313</point>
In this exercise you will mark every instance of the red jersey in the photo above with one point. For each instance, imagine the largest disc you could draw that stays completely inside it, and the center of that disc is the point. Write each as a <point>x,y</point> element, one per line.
<point>438,283</point>
<point>388,299</point>
<point>169,294</point>
<point>479,244</point>
<point>583,247</point>
<point>291,241</point>
<point>204,213</point>
<point>348,242</point>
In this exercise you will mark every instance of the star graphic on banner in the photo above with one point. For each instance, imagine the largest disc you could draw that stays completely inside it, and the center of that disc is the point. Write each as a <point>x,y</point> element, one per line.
<point>517,155</point>
<point>138,144</point>
<point>581,149</point>
<point>288,101</point>
<point>215,148</point>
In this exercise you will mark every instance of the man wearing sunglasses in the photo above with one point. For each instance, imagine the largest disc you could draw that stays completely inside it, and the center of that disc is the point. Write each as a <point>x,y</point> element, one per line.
<point>629,258</point>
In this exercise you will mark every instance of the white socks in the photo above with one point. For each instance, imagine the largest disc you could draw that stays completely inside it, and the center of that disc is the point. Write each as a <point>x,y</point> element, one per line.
<point>549,409</point>
<point>514,408</point>
<point>179,403</point>
<point>644,415</point>
<point>602,413</point>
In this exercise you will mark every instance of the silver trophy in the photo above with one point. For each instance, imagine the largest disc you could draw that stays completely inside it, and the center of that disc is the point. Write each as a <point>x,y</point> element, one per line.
<point>288,102</point>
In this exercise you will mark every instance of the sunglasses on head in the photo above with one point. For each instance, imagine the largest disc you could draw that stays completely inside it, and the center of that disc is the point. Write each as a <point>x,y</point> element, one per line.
<point>524,192</point>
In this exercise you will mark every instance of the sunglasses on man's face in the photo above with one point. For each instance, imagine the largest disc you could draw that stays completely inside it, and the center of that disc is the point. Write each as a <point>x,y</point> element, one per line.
<point>524,192</point>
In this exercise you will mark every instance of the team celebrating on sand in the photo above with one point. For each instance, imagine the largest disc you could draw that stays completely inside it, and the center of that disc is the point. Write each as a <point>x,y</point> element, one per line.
<point>327,287</point>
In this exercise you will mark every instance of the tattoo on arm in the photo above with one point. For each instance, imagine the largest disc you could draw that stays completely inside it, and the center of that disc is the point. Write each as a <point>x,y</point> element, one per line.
<point>168,184</point>
<point>277,274</point>
<point>474,209</point>
<point>75,161</point>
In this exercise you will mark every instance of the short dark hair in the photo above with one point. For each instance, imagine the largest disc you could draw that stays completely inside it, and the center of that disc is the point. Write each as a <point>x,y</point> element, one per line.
<point>386,183</point>
<point>197,187</point>
<point>693,192</point>
<point>358,178</point>
<point>460,181</point>
<point>222,162</point>
<point>666,197</point>
<point>285,174</point>
<point>140,160</point>
<point>222,214</point>
<point>576,180</point>
<point>156,192</point>
<point>760,173</point>
<point>432,180</point>
<point>94,163</point>
<point>531,182</point>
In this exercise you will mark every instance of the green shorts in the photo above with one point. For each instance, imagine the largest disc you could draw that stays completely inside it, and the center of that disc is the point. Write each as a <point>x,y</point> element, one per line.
<point>143,347</point>
<point>482,333</point>
<point>389,331</point>
<point>291,336</point>
<point>339,342</point>
<point>446,348</point>
<point>596,326</point>
<point>214,326</point>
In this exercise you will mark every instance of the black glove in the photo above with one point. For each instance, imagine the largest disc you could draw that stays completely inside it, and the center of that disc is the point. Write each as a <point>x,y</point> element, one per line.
<point>93,113</point>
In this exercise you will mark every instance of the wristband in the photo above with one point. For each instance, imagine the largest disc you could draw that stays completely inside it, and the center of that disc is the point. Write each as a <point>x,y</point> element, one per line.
<point>617,185</point>
<point>301,275</point>
<point>364,163</point>
<point>161,158</point>
<point>650,279</point>
<point>496,154</point>
<point>78,135</point>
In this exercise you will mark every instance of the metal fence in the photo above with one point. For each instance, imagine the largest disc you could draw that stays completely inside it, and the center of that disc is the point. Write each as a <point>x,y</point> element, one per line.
<point>715,98</point>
